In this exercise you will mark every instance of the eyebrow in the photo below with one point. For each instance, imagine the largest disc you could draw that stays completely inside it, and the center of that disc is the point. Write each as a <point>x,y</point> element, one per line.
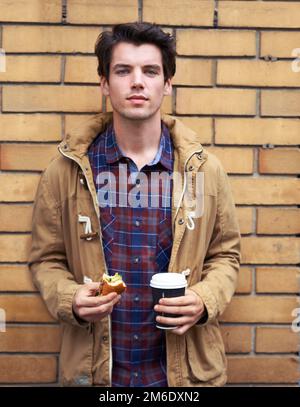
<point>153,66</point>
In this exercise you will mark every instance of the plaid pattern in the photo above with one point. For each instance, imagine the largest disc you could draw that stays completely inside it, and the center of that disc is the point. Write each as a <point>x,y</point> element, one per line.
<point>137,241</point>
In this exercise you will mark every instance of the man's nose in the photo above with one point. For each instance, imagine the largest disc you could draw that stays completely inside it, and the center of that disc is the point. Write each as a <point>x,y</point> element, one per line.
<point>137,79</point>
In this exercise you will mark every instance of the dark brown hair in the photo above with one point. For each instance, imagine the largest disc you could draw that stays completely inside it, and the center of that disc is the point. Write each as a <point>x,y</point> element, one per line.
<point>136,33</point>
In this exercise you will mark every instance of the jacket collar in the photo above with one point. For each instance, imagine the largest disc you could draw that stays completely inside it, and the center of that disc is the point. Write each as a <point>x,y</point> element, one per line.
<point>77,141</point>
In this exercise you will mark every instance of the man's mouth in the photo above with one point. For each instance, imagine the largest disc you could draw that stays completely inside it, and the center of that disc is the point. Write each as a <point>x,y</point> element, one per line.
<point>137,97</point>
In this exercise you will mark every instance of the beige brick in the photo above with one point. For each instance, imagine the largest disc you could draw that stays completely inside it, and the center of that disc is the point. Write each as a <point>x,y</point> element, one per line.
<point>49,39</point>
<point>262,308</point>
<point>273,340</point>
<point>244,285</point>
<point>30,127</point>
<point>49,98</point>
<point>201,125</point>
<point>245,218</point>
<point>14,248</point>
<point>234,160</point>
<point>27,369</point>
<point>277,280</point>
<point>73,121</point>
<point>278,221</point>
<point>166,107</point>
<point>256,73</point>
<point>24,308</point>
<point>81,69</point>
<point>263,370</point>
<point>279,161</point>
<point>266,190</point>
<point>257,131</point>
<point>215,101</point>
<point>104,11</point>
<point>32,68</point>
<point>279,44</point>
<point>179,12</point>
<point>46,11</point>
<point>259,14</point>
<point>280,102</point>
<point>270,250</point>
<point>215,42</point>
<point>15,218</point>
<point>18,187</point>
<point>237,339</point>
<point>26,157</point>
<point>31,339</point>
<point>15,277</point>
<point>196,72</point>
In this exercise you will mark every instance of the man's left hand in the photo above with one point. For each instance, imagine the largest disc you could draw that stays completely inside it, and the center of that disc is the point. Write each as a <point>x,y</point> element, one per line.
<point>190,307</point>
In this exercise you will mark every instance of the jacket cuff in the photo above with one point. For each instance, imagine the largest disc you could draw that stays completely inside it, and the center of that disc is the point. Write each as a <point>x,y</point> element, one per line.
<point>206,295</point>
<point>65,308</point>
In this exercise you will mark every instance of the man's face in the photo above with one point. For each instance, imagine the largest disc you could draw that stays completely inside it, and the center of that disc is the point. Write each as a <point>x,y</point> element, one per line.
<point>136,81</point>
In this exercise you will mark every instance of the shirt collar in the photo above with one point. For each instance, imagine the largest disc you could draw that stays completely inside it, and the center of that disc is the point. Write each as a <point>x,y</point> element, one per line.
<point>164,154</point>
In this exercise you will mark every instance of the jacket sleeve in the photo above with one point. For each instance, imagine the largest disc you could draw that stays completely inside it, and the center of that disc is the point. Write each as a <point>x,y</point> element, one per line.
<point>222,260</point>
<point>47,258</point>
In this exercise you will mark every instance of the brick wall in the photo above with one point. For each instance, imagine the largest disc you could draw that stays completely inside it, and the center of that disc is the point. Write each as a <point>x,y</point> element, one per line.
<point>234,84</point>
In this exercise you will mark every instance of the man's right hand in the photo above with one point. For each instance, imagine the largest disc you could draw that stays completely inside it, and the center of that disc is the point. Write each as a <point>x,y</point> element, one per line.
<point>89,307</point>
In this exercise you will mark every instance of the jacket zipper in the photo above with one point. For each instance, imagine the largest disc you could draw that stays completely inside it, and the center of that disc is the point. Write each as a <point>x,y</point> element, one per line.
<point>101,244</point>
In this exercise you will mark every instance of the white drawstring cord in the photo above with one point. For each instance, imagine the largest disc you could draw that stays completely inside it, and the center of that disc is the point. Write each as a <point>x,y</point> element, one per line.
<point>190,223</point>
<point>88,225</point>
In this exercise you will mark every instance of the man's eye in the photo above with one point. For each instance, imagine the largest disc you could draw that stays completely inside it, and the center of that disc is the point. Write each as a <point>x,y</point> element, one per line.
<point>122,71</point>
<point>151,72</point>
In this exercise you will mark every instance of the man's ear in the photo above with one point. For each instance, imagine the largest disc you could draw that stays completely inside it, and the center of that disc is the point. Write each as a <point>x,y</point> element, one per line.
<point>168,87</point>
<point>104,86</point>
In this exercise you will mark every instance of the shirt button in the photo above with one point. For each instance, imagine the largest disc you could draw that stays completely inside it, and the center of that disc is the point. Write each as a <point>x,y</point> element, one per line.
<point>136,259</point>
<point>135,337</point>
<point>137,223</point>
<point>136,374</point>
<point>136,298</point>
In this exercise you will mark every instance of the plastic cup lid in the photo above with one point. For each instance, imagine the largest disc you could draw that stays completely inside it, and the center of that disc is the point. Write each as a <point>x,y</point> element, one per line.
<point>168,280</point>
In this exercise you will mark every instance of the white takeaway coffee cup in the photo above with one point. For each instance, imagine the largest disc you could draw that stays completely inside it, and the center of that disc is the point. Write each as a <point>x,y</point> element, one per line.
<point>167,285</point>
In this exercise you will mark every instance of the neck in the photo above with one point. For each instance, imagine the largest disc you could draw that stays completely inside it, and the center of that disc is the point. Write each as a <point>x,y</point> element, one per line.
<point>138,139</point>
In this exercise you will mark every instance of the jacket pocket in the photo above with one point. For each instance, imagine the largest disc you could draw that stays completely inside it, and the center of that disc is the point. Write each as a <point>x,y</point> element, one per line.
<point>206,359</point>
<point>76,356</point>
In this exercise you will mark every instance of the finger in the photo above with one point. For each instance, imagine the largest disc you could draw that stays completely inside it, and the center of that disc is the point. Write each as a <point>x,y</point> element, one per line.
<point>181,330</point>
<point>173,321</point>
<point>85,301</point>
<point>102,307</point>
<point>184,310</point>
<point>96,312</point>
<point>184,300</point>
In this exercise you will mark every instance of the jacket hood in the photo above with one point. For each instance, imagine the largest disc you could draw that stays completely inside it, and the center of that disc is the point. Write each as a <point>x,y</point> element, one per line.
<point>78,140</point>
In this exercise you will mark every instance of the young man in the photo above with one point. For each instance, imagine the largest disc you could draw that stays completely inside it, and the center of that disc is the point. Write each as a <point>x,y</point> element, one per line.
<point>100,209</point>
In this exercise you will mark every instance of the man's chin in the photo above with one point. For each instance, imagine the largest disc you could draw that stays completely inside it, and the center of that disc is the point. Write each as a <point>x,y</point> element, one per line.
<point>137,115</point>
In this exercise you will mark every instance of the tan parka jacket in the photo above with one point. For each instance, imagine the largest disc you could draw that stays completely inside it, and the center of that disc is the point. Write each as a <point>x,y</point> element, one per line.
<point>65,253</point>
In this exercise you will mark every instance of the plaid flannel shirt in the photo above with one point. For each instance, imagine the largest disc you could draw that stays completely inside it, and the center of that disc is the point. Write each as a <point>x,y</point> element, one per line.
<point>135,217</point>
